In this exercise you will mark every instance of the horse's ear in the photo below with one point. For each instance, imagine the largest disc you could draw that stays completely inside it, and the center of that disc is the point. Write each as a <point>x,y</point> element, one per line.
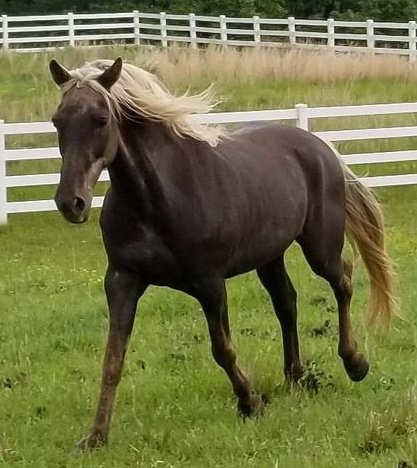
<point>59,74</point>
<point>111,75</point>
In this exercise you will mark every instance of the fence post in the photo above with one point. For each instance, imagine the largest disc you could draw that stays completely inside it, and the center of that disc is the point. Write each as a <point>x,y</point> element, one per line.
<point>302,116</point>
<point>193,32</point>
<point>3,186</point>
<point>5,32</point>
<point>291,30</point>
<point>136,27</point>
<point>71,29</point>
<point>256,31</point>
<point>370,41</point>
<point>330,33</point>
<point>223,30</point>
<point>163,19</point>
<point>412,41</point>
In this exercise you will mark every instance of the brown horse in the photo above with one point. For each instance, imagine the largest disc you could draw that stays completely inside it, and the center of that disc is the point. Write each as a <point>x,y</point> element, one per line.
<point>190,205</point>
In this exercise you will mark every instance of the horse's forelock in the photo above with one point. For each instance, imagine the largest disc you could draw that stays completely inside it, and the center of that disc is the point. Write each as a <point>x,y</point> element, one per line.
<point>80,79</point>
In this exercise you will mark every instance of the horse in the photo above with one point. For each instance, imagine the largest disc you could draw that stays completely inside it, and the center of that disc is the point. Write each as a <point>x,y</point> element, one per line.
<point>192,204</point>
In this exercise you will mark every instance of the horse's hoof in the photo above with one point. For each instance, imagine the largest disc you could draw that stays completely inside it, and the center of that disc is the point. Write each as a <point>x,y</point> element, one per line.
<point>356,367</point>
<point>252,408</point>
<point>294,375</point>
<point>92,441</point>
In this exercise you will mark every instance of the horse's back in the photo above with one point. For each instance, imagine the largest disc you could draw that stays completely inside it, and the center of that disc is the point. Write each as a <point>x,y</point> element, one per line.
<point>283,144</point>
<point>285,161</point>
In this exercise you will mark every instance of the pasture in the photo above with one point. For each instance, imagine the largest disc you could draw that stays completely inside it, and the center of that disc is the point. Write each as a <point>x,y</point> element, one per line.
<point>175,407</point>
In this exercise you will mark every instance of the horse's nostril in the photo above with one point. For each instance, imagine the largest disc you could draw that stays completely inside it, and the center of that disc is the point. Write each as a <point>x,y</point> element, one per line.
<point>79,205</point>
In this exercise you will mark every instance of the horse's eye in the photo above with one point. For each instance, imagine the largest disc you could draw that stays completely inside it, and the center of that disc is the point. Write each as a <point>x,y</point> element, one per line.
<point>100,120</point>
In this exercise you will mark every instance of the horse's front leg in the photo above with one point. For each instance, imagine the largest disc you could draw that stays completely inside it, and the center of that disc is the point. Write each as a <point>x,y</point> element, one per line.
<point>212,297</point>
<point>123,290</point>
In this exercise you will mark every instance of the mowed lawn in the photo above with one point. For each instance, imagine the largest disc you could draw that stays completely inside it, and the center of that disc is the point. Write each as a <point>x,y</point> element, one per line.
<point>175,407</point>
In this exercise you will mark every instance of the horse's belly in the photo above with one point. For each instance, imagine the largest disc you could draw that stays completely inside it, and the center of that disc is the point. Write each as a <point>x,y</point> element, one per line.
<point>268,230</point>
<point>262,250</point>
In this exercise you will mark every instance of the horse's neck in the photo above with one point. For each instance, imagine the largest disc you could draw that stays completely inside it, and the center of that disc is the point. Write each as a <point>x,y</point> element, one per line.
<point>145,160</point>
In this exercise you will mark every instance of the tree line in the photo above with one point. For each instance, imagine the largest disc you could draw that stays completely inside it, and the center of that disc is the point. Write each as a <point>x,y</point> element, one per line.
<point>381,10</point>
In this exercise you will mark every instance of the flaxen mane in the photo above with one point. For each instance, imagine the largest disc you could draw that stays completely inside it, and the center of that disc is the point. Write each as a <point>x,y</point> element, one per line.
<point>142,92</point>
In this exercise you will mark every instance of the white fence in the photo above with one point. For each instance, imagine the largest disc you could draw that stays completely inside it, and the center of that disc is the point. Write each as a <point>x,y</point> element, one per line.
<point>301,114</point>
<point>35,33</point>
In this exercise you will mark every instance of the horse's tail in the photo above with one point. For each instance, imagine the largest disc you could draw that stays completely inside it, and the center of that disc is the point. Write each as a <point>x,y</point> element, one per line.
<point>365,231</point>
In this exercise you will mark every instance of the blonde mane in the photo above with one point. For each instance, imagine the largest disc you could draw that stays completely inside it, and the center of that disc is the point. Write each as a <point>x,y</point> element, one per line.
<point>141,92</point>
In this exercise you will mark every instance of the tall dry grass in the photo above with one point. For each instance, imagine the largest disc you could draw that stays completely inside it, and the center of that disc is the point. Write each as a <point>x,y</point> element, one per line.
<point>182,65</point>
<point>250,65</point>
<point>27,92</point>
<point>177,65</point>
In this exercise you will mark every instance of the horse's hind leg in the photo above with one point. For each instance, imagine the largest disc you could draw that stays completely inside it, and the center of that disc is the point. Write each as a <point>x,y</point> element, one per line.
<point>212,296</point>
<point>323,253</point>
<point>355,364</point>
<point>276,281</point>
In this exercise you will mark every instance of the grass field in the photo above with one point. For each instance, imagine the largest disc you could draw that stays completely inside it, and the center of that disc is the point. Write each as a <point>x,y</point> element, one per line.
<point>175,407</point>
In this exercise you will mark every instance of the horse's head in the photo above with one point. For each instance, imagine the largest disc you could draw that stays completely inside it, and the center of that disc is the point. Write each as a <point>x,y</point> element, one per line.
<point>87,135</point>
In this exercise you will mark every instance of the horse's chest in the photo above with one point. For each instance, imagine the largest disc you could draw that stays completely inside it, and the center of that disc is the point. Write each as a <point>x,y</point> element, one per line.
<point>144,253</point>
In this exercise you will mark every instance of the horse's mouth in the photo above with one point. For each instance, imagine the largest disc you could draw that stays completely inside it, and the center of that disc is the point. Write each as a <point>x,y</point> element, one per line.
<point>75,218</point>
<point>79,221</point>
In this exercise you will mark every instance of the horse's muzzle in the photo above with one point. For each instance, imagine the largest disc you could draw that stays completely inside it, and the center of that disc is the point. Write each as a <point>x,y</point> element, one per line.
<point>74,209</point>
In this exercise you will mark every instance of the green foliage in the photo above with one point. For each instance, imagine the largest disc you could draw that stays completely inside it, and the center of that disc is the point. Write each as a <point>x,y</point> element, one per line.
<point>383,10</point>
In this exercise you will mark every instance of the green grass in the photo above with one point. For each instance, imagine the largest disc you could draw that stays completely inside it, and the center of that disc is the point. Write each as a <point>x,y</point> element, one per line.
<point>175,407</point>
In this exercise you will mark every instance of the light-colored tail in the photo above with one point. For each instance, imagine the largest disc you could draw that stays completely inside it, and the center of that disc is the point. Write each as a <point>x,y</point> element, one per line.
<point>365,231</point>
